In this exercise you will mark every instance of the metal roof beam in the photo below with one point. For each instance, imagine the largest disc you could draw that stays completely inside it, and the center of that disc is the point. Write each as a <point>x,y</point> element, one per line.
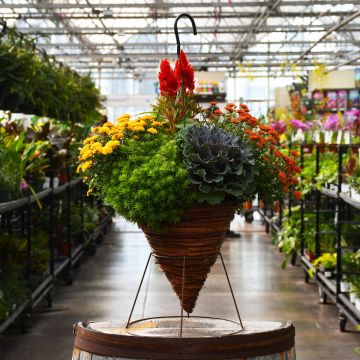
<point>202,15</point>
<point>221,43</point>
<point>201,30</point>
<point>171,5</point>
<point>331,30</point>
<point>150,55</point>
<point>209,65</point>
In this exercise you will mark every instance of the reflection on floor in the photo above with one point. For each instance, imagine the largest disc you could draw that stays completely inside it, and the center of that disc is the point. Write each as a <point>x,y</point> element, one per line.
<point>105,286</point>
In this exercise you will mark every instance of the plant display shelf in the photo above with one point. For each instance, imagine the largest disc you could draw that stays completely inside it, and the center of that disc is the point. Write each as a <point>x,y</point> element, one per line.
<point>59,264</point>
<point>268,220</point>
<point>330,194</point>
<point>206,98</point>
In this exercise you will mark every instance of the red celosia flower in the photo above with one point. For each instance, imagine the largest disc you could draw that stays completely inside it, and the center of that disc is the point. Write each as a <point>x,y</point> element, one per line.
<point>168,80</point>
<point>297,195</point>
<point>185,72</point>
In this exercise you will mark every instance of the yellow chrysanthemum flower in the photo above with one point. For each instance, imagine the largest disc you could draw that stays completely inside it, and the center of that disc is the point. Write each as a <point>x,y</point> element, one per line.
<point>106,150</point>
<point>103,130</point>
<point>90,139</point>
<point>108,124</point>
<point>79,168</point>
<point>157,123</point>
<point>112,144</point>
<point>96,145</point>
<point>138,128</point>
<point>152,130</point>
<point>117,136</point>
<point>85,148</point>
<point>86,165</point>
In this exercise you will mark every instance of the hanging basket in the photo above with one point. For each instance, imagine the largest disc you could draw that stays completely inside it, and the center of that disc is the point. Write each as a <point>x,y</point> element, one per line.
<point>188,250</point>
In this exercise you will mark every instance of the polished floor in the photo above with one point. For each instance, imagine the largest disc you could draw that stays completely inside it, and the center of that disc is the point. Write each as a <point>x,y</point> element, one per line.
<point>105,285</point>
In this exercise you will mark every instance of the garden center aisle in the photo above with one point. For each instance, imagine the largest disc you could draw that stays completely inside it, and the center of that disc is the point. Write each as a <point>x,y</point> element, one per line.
<point>105,286</point>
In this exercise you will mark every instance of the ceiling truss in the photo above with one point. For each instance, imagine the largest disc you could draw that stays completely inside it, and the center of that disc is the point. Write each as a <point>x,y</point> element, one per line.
<point>130,36</point>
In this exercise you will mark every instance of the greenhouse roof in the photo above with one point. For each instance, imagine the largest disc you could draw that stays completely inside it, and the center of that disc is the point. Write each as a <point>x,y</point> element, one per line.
<point>92,35</point>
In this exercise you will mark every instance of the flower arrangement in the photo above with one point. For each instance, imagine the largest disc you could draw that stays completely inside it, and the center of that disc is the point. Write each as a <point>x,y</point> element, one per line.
<point>152,167</point>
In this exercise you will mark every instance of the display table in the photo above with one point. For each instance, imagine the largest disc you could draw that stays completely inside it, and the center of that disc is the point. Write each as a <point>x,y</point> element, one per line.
<point>202,338</point>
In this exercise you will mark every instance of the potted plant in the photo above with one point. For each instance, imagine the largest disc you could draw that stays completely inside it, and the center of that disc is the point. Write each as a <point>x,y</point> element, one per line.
<point>180,173</point>
<point>326,264</point>
<point>351,269</point>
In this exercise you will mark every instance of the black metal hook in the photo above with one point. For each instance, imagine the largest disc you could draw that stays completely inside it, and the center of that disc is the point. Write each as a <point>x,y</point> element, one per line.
<point>177,31</point>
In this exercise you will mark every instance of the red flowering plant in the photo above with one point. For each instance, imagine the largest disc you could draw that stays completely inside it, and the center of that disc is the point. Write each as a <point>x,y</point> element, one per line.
<point>276,165</point>
<point>176,102</point>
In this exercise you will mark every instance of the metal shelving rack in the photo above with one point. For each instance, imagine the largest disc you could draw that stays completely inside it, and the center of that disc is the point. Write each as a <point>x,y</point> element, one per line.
<point>331,288</point>
<point>327,200</point>
<point>58,266</point>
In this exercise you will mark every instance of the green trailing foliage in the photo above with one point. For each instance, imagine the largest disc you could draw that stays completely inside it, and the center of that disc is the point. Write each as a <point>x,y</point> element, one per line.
<point>145,182</point>
<point>218,163</point>
<point>33,83</point>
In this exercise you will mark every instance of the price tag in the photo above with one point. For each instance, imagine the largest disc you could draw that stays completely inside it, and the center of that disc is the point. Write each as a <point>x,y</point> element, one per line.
<point>347,137</point>
<point>339,136</point>
<point>317,136</point>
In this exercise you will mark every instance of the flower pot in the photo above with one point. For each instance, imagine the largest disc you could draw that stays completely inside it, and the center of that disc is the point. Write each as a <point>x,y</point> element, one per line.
<point>328,272</point>
<point>353,297</point>
<point>333,148</point>
<point>194,242</point>
<point>5,195</point>
<point>322,147</point>
<point>308,148</point>
<point>63,249</point>
<point>344,286</point>
<point>310,255</point>
<point>357,304</point>
<point>63,178</point>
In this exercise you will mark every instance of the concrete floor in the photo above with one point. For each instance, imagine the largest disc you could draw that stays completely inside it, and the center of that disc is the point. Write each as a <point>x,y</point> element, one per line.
<point>105,286</point>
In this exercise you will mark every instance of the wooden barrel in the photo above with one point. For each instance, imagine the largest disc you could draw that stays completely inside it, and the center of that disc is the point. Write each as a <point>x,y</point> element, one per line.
<point>203,338</point>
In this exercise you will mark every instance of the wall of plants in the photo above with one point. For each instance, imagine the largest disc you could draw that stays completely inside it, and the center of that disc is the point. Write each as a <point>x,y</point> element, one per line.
<point>46,221</point>
<point>33,82</point>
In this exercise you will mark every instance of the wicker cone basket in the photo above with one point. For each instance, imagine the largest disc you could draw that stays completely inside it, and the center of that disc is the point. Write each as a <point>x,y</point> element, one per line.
<point>197,237</point>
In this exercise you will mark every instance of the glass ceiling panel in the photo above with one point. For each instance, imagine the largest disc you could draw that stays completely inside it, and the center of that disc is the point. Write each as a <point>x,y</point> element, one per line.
<point>133,35</point>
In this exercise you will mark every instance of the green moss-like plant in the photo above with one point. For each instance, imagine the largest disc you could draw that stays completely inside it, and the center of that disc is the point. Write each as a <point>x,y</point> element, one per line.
<point>147,182</point>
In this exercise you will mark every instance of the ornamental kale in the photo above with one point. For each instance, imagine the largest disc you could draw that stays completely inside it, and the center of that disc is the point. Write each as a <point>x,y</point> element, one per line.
<point>219,164</point>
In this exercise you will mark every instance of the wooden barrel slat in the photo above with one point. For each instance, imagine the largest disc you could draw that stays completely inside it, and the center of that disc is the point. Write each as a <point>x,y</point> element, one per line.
<point>105,341</point>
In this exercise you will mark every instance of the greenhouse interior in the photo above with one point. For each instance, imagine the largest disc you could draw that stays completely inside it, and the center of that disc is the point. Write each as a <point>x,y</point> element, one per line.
<point>179,180</point>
